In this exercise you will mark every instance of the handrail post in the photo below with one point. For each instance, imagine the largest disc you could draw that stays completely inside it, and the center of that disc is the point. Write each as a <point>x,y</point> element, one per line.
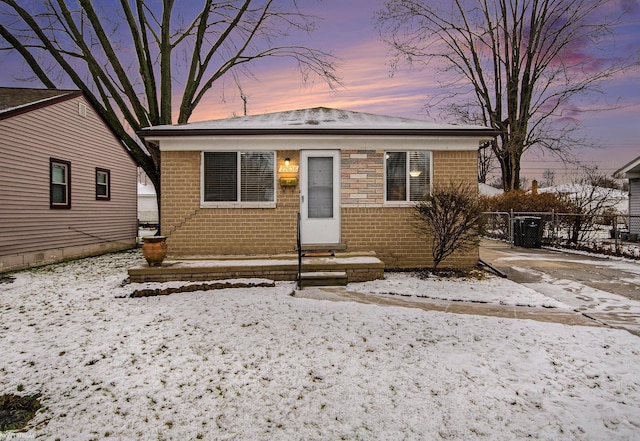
<point>299,246</point>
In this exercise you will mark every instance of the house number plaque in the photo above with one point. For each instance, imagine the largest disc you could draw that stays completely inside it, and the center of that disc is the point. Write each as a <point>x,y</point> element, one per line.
<point>288,169</point>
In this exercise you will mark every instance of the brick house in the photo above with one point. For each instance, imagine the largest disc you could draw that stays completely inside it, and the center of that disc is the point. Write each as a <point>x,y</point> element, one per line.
<point>235,186</point>
<point>67,185</point>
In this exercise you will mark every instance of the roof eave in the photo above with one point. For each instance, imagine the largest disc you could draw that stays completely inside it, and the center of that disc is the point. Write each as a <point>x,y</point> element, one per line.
<point>628,170</point>
<point>152,134</point>
<point>40,104</point>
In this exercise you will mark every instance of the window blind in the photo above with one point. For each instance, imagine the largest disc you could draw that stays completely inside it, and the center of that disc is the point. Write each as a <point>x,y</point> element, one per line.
<point>256,178</point>
<point>419,175</point>
<point>220,177</point>
<point>239,177</point>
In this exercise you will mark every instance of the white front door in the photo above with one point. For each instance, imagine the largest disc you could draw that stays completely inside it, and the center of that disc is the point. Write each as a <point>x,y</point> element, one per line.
<point>320,196</point>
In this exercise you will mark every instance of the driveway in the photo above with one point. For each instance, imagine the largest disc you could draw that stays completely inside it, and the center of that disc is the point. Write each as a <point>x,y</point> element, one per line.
<point>604,289</point>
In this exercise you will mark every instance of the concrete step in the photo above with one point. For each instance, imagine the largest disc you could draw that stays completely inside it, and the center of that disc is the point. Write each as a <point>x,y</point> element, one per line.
<point>323,278</point>
<point>323,247</point>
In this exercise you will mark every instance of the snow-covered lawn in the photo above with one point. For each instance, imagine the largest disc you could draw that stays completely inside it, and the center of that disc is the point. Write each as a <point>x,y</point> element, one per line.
<point>249,364</point>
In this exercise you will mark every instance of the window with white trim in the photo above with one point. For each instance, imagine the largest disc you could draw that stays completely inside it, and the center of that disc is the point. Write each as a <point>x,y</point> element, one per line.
<point>407,176</point>
<point>239,177</point>
<point>59,183</point>
<point>103,184</point>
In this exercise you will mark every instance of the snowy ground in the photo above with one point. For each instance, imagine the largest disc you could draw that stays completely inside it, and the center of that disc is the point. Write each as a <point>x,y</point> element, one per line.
<point>257,363</point>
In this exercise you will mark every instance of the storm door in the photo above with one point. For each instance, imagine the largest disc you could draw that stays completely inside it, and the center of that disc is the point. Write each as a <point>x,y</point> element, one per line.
<point>320,196</point>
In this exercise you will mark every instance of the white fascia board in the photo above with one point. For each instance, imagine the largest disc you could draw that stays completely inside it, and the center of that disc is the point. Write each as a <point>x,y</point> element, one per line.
<point>631,170</point>
<point>271,143</point>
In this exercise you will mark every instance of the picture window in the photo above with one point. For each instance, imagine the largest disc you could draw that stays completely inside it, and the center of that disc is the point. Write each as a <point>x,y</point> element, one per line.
<point>239,176</point>
<point>407,176</point>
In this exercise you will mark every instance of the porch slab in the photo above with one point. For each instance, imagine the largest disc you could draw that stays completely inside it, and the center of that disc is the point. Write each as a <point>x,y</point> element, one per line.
<point>359,267</point>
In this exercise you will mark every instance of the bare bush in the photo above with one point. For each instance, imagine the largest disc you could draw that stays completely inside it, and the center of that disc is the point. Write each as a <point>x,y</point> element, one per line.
<point>452,216</point>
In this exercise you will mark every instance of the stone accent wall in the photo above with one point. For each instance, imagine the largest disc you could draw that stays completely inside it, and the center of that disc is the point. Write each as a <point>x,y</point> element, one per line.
<point>362,175</point>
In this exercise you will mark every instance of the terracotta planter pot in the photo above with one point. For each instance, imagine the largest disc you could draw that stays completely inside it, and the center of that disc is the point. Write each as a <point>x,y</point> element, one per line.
<point>154,250</point>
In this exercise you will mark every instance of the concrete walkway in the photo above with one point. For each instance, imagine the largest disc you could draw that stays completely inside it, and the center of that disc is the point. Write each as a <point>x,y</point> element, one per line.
<point>605,289</point>
<point>601,291</point>
<point>338,294</point>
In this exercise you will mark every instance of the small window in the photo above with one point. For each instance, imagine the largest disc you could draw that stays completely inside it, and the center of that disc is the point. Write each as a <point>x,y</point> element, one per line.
<point>239,177</point>
<point>60,183</point>
<point>103,184</point>
<point>408,176</point>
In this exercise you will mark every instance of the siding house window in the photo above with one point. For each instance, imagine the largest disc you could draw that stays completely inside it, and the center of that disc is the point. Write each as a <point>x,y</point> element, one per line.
<point>59,183</point>
<point>103,184</point>
<point>239,177</point>
<point>407,176</point>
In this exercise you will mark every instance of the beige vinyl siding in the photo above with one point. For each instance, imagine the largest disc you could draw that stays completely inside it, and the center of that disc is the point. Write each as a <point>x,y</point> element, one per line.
<point>634,206</point>
<point>27,142</point>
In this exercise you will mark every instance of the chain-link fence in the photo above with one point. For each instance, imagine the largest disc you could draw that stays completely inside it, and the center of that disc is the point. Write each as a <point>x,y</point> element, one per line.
<point>534,229</point>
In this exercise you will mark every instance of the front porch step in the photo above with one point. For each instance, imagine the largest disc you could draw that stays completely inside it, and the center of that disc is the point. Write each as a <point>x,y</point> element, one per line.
<point>323,278</point>
<point>309,248</point>
<point>359,267</point>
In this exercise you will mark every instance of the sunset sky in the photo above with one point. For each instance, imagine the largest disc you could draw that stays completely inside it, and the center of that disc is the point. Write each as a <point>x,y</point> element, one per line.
<point>345,28</point>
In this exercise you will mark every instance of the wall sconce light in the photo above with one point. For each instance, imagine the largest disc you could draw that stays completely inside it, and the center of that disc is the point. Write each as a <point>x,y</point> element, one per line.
<point>287,161</point>
<point>415,173</point>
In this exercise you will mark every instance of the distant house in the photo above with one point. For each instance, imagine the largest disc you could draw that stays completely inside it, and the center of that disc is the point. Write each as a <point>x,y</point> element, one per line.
<point>488,190</point>
<point>235,186</point>
<point>67,185</point>
<point>631,171</point>
<point>616,200</point>
<point>147,205</point>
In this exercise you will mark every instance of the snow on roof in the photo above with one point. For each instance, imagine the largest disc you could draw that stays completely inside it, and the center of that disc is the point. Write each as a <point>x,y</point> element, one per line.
<point>488,190</point>
<point>146,189</point>
<point>315,119</point>
<point>582,189</point>
<point>618,199</point>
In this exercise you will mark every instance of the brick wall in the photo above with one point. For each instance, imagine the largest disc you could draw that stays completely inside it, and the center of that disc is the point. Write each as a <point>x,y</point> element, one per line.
<point>390,231</point>
<point>455,166</point>
<point>366,224</point>
<point>192,230</point>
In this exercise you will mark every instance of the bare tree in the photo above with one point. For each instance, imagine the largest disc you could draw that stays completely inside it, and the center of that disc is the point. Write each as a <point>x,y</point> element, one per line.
<point>520,63</point>
<point>129,57</point>
<point>486,163</point>
<point>548,178</point>
<point>452,216</point>
<point>590,199</point>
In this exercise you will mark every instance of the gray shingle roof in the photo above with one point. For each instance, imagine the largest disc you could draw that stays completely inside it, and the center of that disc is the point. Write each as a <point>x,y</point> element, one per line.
<point>15,98</point>
<point>317,120</point>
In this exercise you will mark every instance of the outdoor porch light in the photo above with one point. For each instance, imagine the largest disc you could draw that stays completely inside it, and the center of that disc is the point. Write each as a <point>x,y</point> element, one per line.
<point>287,161</point>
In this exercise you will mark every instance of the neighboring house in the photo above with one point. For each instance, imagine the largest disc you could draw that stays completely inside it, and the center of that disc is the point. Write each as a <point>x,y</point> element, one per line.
<point>600,197</point>
<point>67,185</point>
<point>488,190</point>
<point>631,171</point>
<point>147,205</point>
<point>235,186</point>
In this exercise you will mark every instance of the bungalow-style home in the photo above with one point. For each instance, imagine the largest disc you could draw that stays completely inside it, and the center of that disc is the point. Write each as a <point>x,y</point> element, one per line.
<point>67,185</point>
<point>235,186</point>
<point>631,171</point>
